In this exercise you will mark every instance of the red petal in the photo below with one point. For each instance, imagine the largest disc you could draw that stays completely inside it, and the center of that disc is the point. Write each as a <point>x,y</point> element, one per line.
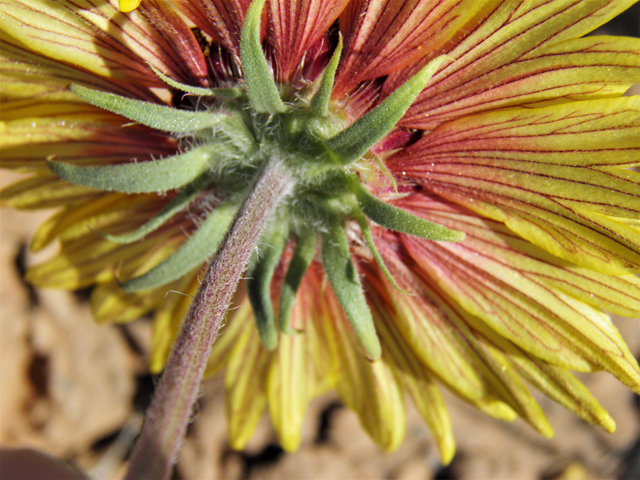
<point>88,141</point>
<point>184,60</point>
<point>95,36</point>
<point>524,54</point>
<point>384,35</point>
<point>554,175</point>
<point>221,20</point>
<point>295,26</point>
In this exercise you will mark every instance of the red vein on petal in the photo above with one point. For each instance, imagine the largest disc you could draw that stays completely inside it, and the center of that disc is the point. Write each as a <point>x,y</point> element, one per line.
<point>390,35</point>
<point>295,26</point>
<point>438,101</point>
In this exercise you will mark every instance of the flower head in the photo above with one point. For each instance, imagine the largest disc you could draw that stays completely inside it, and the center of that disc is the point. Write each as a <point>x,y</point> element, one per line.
<point>461,210</point>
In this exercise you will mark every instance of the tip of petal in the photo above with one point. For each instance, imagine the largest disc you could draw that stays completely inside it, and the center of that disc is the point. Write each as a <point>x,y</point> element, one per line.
<point>290,442</point>
<point>447,449</point>
<point>128,5</point>
<point>606,422</point>
<point>544,428</point>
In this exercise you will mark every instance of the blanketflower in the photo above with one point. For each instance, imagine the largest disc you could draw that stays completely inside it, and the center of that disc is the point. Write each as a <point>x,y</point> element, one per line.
<point>511,136</point>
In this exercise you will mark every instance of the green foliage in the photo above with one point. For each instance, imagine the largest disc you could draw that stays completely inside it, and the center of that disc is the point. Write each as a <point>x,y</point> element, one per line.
<point>227,149</point>
<point>262,90</point>
<point>194,252</point>
<point>143,177</point>
<point>200,91</point>
<point>354,141</point>
<point>320,101</point>
<point>395,218</point>
<point>259,275</point>
<point>368,238</point>
<point>343,276</point>
<point>155,116</point>
<point>177,204</point>
<point>302,257</point>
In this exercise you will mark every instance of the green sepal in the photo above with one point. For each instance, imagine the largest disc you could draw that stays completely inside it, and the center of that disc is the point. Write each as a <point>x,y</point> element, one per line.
<point>262,90</point>
<point>205,92</point>
<point>354,141</point>
<point>155,116</point>
<point>195,251</point>
<point>260,274</point>
<point>368,238</point>
<point>177,204</point>
<point>386,172</point>
<point>140,177</point>
<point>395,218</point>
<point>302,257</point>
<point>320,101</point>
<point>347,288</point>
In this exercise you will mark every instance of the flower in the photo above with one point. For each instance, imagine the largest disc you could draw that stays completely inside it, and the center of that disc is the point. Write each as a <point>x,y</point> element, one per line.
<point>511,132</point>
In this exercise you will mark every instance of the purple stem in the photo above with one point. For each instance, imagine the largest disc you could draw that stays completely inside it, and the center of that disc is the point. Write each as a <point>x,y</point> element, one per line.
<point>168,416</point>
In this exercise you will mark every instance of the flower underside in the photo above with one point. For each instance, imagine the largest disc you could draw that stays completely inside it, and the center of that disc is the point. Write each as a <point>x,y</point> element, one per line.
<point>522,139</point>
<point>227,139</point>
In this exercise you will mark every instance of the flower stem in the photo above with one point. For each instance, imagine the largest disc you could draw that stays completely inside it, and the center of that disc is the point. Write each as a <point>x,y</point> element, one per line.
<point>168,416</point>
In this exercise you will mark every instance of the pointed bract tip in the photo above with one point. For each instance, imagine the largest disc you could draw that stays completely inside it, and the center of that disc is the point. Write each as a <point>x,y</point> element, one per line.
<point>261,88</point>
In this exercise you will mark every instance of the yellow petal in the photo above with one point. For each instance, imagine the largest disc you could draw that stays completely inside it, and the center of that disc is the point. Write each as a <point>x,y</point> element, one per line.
<point>39,130</point>
<point>508,386</point>
<point>101,213</point>
<point>168,319</point>
<point>419,384</point>
<point>90,259</point>
<point>424,322</point>
<point>239,318</point>
<point>496,374</point>
<point>292,376</point>
<point>553,63</point>
<point>553,179</point>
<point>245,390</point>
<point>537,301</point>
<point>109,303</point>
<point>128,5</point>
<point>51,27</point>
<point>368,387</point>
<point>44,190</point>
<point>491,239</point>
<point>22,67</point>
<point>557,384</point>
<point>510,304</point>
<point>547,323</point>
<point>320,332</point>
<point>289,388</point>
<point>90,137</point>
<point>100,39</point>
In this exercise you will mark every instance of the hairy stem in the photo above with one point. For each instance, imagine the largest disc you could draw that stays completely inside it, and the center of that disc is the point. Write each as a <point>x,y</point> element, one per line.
<point>168,416</point>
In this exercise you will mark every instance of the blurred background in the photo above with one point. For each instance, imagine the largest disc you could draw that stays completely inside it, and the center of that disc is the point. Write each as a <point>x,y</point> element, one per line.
<point>78,390</point>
